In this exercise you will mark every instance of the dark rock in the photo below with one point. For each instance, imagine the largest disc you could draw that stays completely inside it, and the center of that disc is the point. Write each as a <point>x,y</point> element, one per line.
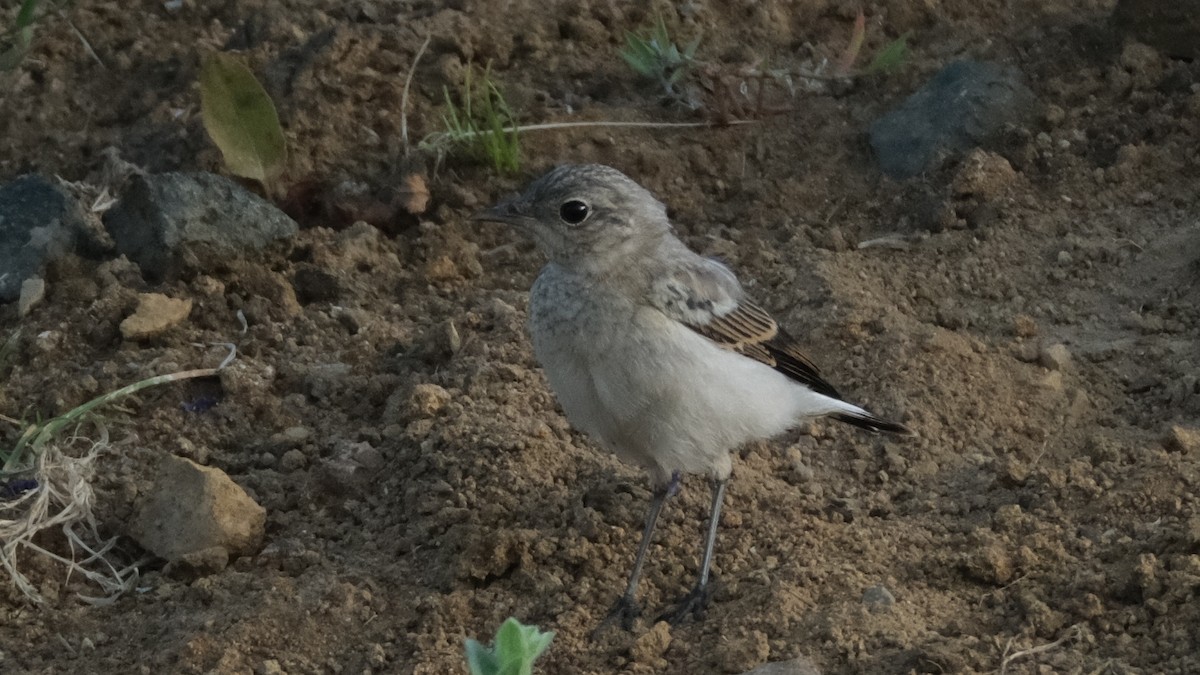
<point>1170,26</point>
<point>165,219</point>
<point>965,105</point>
<point>314,284</point>
<point>38,222</point>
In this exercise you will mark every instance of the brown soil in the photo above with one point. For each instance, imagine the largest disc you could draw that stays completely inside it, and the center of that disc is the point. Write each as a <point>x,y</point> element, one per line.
<point>1034,500</point>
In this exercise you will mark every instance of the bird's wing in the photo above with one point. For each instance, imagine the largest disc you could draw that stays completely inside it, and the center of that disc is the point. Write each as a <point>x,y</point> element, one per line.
<point>706,297</point>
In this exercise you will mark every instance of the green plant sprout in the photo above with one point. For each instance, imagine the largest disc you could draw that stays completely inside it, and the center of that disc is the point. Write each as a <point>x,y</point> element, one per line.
<point>886,60</point>
<point>516,648</point>
<point>20,35</point>
<point>658,57</point>
<point>484,124</point>
<point>891,57</point>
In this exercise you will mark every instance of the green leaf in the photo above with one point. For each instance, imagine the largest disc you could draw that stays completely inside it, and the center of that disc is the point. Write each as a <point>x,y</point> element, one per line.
<point>480,659</point>
<point>517,647</point>
<point>241,119</point>
<point>891,56</point>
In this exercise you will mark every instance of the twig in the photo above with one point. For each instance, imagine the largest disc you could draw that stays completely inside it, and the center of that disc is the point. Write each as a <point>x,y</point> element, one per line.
<point>573,125</point>
<point>1072,632</point>
<point>404,97</point>
<point>86,45</point>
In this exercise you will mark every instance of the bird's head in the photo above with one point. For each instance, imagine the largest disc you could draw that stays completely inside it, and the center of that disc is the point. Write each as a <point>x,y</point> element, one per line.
<point>588,218</point>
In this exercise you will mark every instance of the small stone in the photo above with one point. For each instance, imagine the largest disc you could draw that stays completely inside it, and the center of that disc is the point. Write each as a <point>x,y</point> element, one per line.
<point>989,564</point>
<point>1182,439</point>
<point>154,315</point>
<point>377,655</point>
<point>1170,26</point>
<point>293,460</point>
<point>1192,531</point>
<point>190,508</point>
<point>442,268</point>
<point>1053,381</point>
<point>742,649</point>
<point>1026,352</point>
<point>427,400</point>
<point>1024,326</point>
<point>983,174</point>
<point>801,665</point>
<point>196,564</point>
<point>271,667</point>
<point>314,284</point>
<point>651,645</point>
<point>294,436</point>
<point>878,598</point>
<point>33,291</point>
<point>1064,259</point>
<point>1055,357</point>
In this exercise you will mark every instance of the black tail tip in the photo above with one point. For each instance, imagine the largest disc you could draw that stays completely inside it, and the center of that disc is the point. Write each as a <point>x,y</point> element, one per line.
<point>874,424</point>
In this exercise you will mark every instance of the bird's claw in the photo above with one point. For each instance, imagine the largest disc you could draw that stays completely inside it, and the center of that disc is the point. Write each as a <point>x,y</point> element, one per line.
<point>625,611</point>
<point>693,604</point>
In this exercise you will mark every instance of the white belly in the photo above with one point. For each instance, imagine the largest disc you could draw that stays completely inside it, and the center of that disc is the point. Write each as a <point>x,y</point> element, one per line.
<point>657,393</point>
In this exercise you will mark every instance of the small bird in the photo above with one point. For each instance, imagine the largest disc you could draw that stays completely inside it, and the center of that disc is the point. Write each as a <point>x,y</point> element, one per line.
<point>654,350</point>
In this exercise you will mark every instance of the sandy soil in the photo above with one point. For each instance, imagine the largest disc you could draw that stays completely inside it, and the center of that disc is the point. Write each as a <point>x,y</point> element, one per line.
<point>1039,501</point>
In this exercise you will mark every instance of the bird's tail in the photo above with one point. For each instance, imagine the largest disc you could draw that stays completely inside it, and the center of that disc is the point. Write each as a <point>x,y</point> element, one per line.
<point>828,406</point>
<point>865,420</point>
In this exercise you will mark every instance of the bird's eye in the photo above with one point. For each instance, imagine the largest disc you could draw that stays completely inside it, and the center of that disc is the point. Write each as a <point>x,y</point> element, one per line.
<point>573,212</point>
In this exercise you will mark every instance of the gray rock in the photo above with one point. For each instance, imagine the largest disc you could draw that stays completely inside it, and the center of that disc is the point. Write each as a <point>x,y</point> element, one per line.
<point>165,219</point>
<point>878,598</point>
<point>964,105</point>
<point>38,222</point>
<point>1170,26</point>
<point>193,508</point>
<point>801,665</point>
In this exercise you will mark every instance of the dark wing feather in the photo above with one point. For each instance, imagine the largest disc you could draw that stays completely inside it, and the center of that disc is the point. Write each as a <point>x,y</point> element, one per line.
<point>749,330</point>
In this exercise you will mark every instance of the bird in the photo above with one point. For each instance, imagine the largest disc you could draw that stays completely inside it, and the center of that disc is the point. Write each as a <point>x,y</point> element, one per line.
<point>655,351</point>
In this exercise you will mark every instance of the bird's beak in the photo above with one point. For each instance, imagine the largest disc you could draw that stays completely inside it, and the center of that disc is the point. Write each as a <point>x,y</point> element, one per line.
<point>511,211</point>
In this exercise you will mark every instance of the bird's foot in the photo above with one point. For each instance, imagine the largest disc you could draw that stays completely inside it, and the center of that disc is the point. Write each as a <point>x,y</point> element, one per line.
<point>625,611</point>
<point>693,604</point>
<point>675,483</point>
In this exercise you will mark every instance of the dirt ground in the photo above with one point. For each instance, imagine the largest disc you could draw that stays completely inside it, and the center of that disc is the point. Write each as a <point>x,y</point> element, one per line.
<point>1041,499</point>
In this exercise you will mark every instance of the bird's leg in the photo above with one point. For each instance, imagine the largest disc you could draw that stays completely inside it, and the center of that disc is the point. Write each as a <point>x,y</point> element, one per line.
<point>626,608</point>
<point>696,600</point>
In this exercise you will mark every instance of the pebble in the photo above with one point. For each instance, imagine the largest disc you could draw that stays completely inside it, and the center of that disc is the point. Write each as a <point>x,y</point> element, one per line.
<point>293,460</point>
<point>801,665</point>
<point>33,291</point>
<point>427,400</point>
<point>1055,357</point>
<point>878,598</point>
<point>1182,439</point>
<point>155,314</point>
<point>1170,26</point>
<point>649,647</point>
